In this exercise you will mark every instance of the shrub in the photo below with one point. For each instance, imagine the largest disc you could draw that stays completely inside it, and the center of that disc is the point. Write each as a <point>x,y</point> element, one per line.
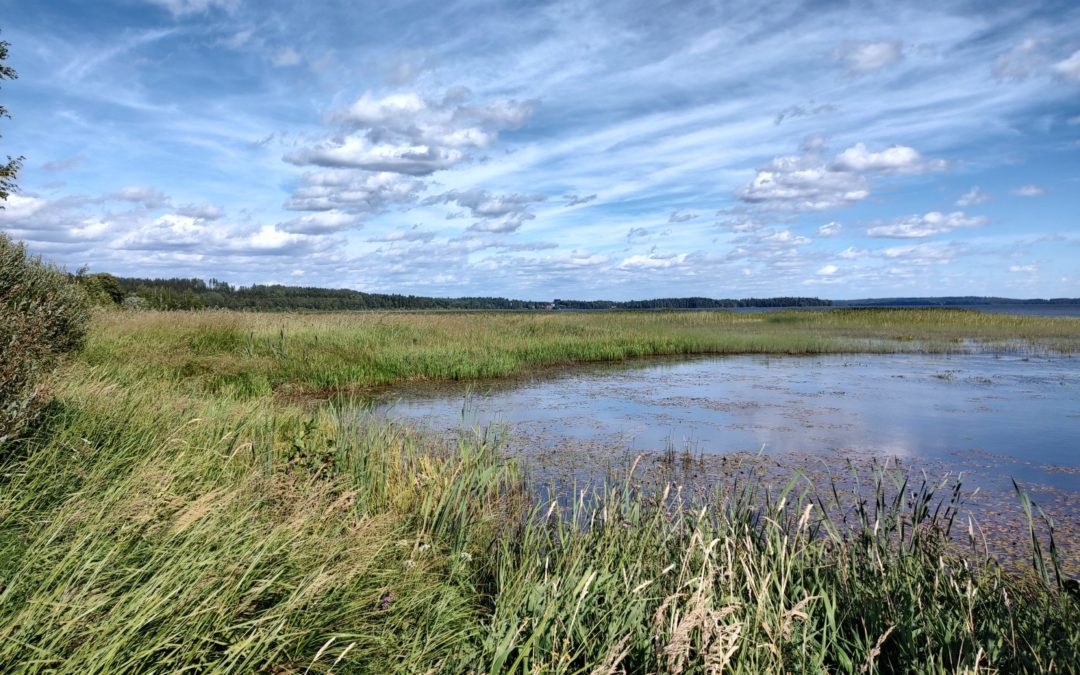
<point>43,314</point>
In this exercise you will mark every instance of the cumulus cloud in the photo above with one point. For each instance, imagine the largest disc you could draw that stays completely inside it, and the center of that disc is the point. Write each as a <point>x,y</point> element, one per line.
<point>829,229</point>
<point>652,261</point>
<point>681,216</point>
<point>933,223</point>
<point>897,159</point>
<point>1069,68</point>
<point>322,222</point>
<point>497,213</point>
<point>53,224</point>
<point>148,197</point>
<point>866,57</point>
<point>1029,191</point>
<point>809,182</point>
<point>801,184</point>
<point>828,270</point>
<point>358,153</point>
<point>975,195</point>
<point>353,191</point>
<point>176,234</point>
<point>409,134</point>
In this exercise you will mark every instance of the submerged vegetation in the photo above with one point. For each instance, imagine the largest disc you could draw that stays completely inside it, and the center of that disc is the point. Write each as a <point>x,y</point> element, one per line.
<point>172,511</point>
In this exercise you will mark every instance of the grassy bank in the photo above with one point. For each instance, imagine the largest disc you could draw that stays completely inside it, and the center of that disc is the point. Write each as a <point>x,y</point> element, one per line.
<point>252,354</point>
<point>163,518</point>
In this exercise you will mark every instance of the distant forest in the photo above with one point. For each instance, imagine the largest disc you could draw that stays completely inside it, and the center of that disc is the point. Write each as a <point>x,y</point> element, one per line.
<point>179,294</point>
<point>176,294</point>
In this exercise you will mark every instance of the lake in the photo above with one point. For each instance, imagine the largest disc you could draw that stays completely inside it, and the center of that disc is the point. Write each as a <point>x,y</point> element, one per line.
<point>997,417</point>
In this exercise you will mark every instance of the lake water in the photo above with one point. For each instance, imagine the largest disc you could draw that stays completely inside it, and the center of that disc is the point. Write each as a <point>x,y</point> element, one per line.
<point>996,417</point>
<point>1019,408</point>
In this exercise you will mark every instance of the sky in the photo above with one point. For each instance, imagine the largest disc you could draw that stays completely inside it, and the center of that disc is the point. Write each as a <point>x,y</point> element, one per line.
<point>541,150</point>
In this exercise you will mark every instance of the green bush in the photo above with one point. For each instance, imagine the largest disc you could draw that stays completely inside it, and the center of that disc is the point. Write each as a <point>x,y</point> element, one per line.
<point>42,316</point>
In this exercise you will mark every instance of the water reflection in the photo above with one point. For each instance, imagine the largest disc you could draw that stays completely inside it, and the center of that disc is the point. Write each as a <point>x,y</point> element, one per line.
<point>1022,411</point>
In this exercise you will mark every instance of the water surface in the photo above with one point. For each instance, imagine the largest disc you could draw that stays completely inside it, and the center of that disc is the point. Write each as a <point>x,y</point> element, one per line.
<point>1019,414</point>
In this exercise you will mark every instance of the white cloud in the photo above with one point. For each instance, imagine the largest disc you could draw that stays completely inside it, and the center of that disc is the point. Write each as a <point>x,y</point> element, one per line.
<point>933,223</point>
<point>924,254</point>
<point>830,229</point>
<point>852,253</point>
<point>1028,269</point>
<point>897,159</point>
<point>828,270</point>
<point>784,237</point>
<point>286,57</point>
<point>498,213</point>
<point>975,195</point>
<point>20,208</point>
<point>322,222</point>
<point>809,183</point>
<point>1029,191</point>
<point>1068,68</point>
<point>799,184</point>
<point>867,57</point>
<point>357,153</point>
<point>409,134</point>
<point>353,191</point>
<point>653,261</point>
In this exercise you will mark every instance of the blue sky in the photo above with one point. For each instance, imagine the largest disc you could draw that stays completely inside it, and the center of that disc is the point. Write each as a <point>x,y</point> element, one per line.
<point>553,149</point>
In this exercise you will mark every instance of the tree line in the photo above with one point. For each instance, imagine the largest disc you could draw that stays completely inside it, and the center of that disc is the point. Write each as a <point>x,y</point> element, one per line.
<point>185,294</point>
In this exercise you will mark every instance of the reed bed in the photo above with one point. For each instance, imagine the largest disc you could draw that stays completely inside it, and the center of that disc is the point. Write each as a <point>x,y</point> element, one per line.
<point>253,354</point>
<point>145,531</point>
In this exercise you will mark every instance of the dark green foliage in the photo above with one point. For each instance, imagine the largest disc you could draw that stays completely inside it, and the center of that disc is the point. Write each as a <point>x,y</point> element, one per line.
<point>101,289</point>
<point>9,169</point>
<point>42,316</point>
<point>196,293</point>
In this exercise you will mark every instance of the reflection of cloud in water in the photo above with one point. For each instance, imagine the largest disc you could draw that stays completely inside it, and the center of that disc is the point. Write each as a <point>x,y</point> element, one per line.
<point>880,404</point>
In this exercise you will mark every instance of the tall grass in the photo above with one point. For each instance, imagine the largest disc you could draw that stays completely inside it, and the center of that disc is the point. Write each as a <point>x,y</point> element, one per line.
<point>254,354</point>
<point>145,529</point>
<point>173,513</point>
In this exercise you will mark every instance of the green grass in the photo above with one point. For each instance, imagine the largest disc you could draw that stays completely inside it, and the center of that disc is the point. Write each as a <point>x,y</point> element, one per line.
<point>253,354</point>
<point>159,520</point>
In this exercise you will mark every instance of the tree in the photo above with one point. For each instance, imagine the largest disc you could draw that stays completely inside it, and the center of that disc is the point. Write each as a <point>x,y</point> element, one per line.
<point>9,170</point>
